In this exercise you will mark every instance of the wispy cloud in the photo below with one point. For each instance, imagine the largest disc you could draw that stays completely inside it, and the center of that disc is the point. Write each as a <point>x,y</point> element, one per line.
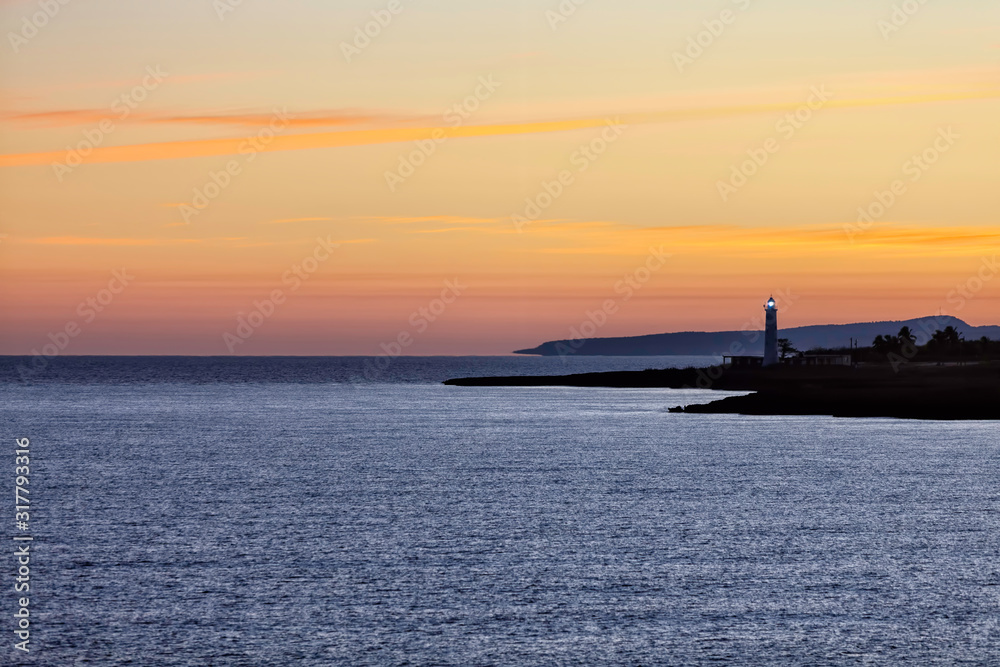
<point>241,241</point>
<point>437,219</point>
<point>606,238</point>
<point>35,92</point>
<point>315,140</point>
<point>270,244</point>
<point>97,241</point>
<point>285,221</point>
<point>355,241</point>
<point>479,230</point>
<point>76,117</point>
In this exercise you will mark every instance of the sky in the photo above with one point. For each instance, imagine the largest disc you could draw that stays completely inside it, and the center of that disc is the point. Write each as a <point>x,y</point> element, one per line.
<point>302,177</point>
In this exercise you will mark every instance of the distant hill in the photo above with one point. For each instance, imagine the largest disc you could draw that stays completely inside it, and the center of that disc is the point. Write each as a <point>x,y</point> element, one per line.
<point>752,342</point>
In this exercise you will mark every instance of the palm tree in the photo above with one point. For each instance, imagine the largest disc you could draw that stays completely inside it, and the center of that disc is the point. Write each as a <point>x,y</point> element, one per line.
<point>906,336</point>
<point>953,336</point>
<point>947,341</point>
<point>906,343</point>
<point>881,344</point>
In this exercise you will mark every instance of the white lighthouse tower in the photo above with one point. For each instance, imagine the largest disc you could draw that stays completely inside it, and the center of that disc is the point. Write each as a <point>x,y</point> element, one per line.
<point>770,333</point>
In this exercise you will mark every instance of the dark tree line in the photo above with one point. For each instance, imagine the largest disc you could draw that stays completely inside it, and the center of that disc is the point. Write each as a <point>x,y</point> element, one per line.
<point>944,345</point>
<point>948,344</point>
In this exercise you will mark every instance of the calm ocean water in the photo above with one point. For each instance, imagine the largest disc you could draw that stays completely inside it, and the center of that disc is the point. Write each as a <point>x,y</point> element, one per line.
<point>297,511</point>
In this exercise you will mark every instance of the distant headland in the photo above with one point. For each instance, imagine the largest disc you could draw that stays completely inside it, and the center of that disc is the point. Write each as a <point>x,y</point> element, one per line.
<point>718,343</point>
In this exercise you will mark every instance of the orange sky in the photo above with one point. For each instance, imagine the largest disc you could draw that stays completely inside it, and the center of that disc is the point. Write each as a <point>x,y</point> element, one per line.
<point>222,162</point>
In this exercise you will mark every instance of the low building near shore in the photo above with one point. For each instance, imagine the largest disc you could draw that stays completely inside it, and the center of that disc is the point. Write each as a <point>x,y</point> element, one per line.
<point>819,360</point>
<point>798,360</point>
<point>743,362</point>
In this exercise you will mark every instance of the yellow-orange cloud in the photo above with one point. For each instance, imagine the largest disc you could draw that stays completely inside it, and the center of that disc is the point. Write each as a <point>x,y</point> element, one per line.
<point>285,221</point>
<point>74,117</point>
<point>291,142</point>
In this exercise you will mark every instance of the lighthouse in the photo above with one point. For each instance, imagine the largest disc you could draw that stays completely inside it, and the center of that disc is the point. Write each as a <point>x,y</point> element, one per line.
<point>770,333</point>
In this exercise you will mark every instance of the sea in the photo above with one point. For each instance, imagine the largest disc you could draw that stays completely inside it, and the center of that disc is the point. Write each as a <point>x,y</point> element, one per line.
<point>350,511</point>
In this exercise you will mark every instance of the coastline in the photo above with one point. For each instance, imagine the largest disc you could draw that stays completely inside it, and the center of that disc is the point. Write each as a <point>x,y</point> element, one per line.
<point>913,391</point>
